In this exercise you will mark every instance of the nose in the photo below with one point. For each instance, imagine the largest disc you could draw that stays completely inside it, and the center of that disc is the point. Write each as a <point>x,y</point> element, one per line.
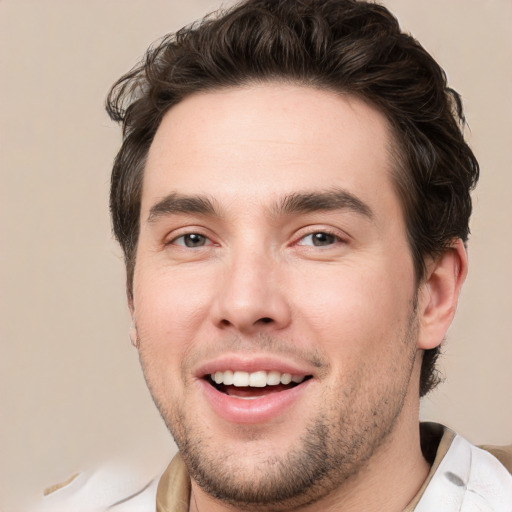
<point>251,297</point>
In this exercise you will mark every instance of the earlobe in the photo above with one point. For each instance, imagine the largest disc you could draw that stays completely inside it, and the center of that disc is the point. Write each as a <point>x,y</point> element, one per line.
<point>134,336</point>
<point>129,300</point>
<point>439,294</point>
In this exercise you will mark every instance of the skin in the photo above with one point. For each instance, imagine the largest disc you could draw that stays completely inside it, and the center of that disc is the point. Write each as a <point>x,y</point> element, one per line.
<point>347,310</point>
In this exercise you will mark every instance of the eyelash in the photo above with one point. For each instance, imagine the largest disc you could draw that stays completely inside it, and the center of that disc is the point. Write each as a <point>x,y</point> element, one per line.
<point>336,238</point>
<point>190,234</point>
<point>330,233</point>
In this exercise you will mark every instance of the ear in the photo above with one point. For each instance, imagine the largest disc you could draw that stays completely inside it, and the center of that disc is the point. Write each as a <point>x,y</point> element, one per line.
<point>134,336</point>
<point>129,300</point>
<point>439,294</point>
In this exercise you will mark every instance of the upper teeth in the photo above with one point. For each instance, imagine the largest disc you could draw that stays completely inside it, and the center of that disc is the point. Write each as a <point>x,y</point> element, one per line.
<point>258,379</point>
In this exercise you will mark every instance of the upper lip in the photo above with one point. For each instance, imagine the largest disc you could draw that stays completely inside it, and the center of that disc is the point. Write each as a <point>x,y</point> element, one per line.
<point>253,363</point>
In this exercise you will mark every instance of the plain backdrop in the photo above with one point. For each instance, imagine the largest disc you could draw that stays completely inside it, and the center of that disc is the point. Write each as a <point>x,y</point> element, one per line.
<point>71,392</point>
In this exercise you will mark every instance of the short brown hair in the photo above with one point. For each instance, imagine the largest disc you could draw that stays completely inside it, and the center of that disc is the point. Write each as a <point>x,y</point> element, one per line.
<point>347,46</point>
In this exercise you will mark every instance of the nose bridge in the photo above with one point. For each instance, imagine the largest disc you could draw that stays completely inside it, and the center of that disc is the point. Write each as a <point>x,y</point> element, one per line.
<point>249,295</point>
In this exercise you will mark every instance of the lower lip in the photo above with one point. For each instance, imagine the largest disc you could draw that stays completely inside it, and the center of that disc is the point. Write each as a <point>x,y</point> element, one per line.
<point>258,410</point>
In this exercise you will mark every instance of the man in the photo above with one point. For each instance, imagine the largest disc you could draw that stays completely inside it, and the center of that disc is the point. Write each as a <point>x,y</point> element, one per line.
<point>292,199</point>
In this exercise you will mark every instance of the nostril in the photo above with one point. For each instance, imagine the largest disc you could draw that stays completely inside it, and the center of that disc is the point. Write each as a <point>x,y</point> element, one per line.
<point>244,324</point>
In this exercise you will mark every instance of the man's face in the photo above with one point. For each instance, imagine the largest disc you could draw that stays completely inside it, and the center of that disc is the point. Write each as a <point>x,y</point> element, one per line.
<point>272,244</point>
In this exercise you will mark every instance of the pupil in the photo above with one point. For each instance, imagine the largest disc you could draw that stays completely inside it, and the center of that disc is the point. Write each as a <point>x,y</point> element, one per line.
<point>194,240</point>
<point>323,239</point>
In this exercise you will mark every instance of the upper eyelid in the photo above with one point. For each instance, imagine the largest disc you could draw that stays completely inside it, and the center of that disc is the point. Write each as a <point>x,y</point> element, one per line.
<point>330,233</point>
<point>311,230</point>
<point>209,242</point>
<point>187,230</point>
<point>337,240</point>
<point>299,233</point>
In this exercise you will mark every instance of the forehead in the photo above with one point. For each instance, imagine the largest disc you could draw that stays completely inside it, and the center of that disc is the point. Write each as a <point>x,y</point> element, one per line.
<point>260,142</point>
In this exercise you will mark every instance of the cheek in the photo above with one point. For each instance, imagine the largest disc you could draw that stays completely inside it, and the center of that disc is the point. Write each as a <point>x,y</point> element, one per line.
<point>168,310</point>
<point>353,309</point>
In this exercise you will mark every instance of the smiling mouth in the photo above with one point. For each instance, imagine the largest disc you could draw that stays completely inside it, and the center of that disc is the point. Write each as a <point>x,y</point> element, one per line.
<point>250,386</point>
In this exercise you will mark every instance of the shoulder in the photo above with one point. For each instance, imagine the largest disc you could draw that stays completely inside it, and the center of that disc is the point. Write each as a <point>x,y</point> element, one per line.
<point>103,488</point>
<point>502,453</point>
<point>473,478</point>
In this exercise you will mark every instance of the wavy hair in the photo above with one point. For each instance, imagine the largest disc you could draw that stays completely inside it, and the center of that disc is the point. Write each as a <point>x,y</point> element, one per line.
<point>348,46</point>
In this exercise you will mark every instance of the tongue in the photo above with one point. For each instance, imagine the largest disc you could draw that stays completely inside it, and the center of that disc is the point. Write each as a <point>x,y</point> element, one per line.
<point>250,391</point>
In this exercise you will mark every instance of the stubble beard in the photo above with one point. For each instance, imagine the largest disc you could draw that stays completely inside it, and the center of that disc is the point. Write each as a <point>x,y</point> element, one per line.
<point>335,446</point>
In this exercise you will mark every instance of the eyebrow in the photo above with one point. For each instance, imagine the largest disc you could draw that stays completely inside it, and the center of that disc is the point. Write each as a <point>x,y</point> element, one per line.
<point>298,202</point>
<point>330,200</point>
<point>175,203</point>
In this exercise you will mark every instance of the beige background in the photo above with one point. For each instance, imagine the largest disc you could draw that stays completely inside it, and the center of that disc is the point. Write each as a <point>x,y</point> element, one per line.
<point>71,392</point>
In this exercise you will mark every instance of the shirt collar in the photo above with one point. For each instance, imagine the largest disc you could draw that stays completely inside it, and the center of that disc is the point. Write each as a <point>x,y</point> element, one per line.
<point>440,445</point>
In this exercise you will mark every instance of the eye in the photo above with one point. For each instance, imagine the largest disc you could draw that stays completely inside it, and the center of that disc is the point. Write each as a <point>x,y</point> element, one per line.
<point>319,239</point>
<point>191,240</point>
